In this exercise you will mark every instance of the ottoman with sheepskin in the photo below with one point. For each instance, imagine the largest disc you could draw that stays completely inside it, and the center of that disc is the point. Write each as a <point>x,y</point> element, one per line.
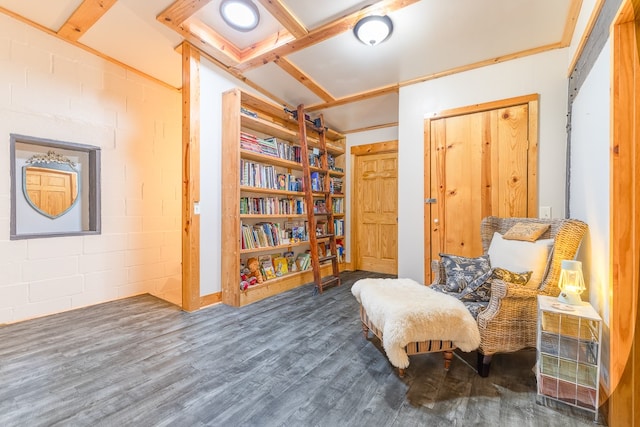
<point>409,318</point>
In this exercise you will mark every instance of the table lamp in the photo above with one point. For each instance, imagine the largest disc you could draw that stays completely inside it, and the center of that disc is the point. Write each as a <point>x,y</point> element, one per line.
<point>571,282</point>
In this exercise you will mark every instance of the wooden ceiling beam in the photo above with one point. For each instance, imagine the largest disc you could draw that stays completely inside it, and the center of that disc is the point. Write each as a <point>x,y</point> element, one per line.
<point>320,34</point>
<point>285,17</point>
<point>206,38</point>
<point>83,18</point>
<point>297,73</point>
<point>354,98</point>
<point>268,44</point>
<point>570,24</point>
<point>180,11</point>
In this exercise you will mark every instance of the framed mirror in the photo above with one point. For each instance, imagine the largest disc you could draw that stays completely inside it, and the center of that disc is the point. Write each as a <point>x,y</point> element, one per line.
<point>55,188</point>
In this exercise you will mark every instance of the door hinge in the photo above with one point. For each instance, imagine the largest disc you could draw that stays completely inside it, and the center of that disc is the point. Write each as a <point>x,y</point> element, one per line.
<point>430,201</point>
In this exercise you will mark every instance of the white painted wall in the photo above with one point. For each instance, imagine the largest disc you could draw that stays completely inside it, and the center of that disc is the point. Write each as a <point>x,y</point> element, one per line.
<point>589,187</point>
<point>213,83</point>
<point>544,74</point>
<point>51,89</point>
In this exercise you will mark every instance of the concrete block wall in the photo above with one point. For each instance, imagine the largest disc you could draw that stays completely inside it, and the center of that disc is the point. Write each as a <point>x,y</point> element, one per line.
<point>51,89</point>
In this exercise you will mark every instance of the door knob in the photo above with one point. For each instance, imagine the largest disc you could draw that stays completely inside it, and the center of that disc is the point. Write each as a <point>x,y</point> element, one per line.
<point>435,221</point>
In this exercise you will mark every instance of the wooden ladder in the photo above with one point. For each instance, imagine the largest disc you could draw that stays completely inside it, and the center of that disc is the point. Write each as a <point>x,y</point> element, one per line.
<point>317,187</point>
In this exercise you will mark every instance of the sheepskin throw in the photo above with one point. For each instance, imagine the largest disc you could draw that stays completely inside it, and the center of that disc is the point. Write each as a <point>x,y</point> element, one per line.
<point>406,311</point>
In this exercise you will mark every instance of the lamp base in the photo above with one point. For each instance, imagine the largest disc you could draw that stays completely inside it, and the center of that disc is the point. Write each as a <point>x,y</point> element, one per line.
<point>569,298</point>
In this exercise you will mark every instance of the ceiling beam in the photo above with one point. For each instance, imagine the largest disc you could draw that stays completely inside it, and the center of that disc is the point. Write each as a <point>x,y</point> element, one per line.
<point>296,73</point>
<point>285,17</point>
<point>238,76</point>
<point>83,18</point>
<point>355,98</point>
<point>273,41</point>
<point>180,11</point>
<point>320,34</point>
<point>570,24</point>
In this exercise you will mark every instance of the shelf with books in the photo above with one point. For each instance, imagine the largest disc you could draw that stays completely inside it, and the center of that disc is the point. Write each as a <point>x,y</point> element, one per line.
<point>262,186</point>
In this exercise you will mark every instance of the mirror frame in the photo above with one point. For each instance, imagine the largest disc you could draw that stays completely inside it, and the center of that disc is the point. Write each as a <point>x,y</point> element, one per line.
<point>90,199</point>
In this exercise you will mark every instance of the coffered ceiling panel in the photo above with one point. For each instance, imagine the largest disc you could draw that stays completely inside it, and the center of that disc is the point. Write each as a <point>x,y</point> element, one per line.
<point>381,110</point>
<point>49,13</point>
<point>314,13</point>
<point>427,39</point>
<point>282,85</point>
<point>146,46</point>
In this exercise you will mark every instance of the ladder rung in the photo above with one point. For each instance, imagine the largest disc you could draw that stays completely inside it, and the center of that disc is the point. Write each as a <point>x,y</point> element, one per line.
<point>327,258</point>
<point>324,236</point>
<point>326,281</point>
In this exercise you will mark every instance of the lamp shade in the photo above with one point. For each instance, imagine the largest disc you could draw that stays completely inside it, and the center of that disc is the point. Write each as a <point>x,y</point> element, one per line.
<point>571,282</point>
<point>373,30</point>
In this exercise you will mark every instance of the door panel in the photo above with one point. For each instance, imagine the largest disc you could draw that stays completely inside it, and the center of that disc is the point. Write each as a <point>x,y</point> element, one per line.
<point>477,164</point>
<point>376,212</point>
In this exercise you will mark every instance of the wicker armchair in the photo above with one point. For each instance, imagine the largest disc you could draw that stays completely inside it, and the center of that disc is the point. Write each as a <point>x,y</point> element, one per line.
<point>508,323</point>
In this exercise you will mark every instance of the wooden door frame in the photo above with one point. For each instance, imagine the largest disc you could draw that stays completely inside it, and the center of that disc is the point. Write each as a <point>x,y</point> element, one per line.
<point>356,151</point>
<point>624,322</point>
<point>532,178</point>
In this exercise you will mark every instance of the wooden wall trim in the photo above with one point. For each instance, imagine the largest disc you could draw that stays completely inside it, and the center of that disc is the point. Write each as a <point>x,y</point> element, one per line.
<point>585,36</point>
<point>493,105</point>
<point>190,178</point>
<point>377,148</point>
<point>624,369</point>
<point>363,150</point>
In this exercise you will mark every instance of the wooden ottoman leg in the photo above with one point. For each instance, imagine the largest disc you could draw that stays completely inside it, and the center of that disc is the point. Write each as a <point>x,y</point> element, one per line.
<point>401,372</point>
<point>365,331</point>
<point>448,356</point>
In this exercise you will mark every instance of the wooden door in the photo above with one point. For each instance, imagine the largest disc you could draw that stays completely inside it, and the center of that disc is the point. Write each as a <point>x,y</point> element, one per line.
<point>479,161</point>
<point>375,200</point>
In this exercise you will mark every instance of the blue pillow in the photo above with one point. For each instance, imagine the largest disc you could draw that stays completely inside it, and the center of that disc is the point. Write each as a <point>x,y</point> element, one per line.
<point>462,272</point>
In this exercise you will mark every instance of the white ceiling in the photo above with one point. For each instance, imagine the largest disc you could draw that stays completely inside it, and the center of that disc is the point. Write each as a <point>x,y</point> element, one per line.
<point>429,37</point>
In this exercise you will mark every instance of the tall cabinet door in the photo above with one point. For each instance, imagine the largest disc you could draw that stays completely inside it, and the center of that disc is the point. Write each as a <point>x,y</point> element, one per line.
<point>376,207</point>
<point>477,164</point>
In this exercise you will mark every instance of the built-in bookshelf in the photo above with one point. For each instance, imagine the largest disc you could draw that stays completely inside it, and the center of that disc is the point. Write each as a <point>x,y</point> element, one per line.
<point>264,213</point>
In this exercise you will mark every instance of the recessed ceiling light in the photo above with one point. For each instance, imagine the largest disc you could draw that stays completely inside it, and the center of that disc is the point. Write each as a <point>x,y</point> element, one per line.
<point>241,15</point>
<point>373,30</point>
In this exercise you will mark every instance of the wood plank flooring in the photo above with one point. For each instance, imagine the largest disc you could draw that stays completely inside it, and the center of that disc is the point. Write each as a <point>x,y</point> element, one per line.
<point>296,359</point>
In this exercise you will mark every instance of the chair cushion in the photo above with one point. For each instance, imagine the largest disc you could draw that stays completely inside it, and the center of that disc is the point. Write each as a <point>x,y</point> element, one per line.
<point>462,272</point>
<point>527,231</point>
<point>474,307</point>
<point>516,255</point>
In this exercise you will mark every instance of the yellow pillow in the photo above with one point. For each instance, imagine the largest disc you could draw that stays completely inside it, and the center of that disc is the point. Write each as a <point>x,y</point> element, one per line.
<point>526,231</point>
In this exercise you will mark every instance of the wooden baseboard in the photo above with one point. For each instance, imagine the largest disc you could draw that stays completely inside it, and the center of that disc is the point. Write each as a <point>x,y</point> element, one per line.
<point>210,299</point>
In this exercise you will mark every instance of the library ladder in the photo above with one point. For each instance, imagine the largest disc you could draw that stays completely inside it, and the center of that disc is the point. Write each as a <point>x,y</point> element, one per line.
<point>317,193</point>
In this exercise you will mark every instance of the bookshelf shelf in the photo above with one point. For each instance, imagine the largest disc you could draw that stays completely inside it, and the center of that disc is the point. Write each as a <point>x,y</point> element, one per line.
<point>263,165</point>
<point>274,248</point>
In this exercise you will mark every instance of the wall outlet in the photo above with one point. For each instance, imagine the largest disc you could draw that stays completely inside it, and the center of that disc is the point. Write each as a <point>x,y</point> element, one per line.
<point>545,212</point>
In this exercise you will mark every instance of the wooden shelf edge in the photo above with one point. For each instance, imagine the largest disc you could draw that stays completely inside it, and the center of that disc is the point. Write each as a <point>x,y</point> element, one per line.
<point>273,248</point>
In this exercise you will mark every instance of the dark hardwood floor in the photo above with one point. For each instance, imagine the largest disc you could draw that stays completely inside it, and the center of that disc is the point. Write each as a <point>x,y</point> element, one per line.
<point>296,359</point>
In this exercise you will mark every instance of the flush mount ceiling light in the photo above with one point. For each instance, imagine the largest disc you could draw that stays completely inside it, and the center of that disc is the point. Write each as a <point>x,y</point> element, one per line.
<point>241,15</point>
<point>373,30</point>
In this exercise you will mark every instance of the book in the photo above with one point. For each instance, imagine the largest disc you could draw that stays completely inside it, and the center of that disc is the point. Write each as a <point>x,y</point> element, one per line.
<point>291,261</point>
<point>304,261</point>
<point>267,266</point>
<point>281,265</point>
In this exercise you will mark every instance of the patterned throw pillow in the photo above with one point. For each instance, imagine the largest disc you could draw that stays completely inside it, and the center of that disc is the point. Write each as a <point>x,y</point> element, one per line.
<point>463,272</point>
<point>483,292</point>
<point>510,276</point>
<point>527,231</point>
